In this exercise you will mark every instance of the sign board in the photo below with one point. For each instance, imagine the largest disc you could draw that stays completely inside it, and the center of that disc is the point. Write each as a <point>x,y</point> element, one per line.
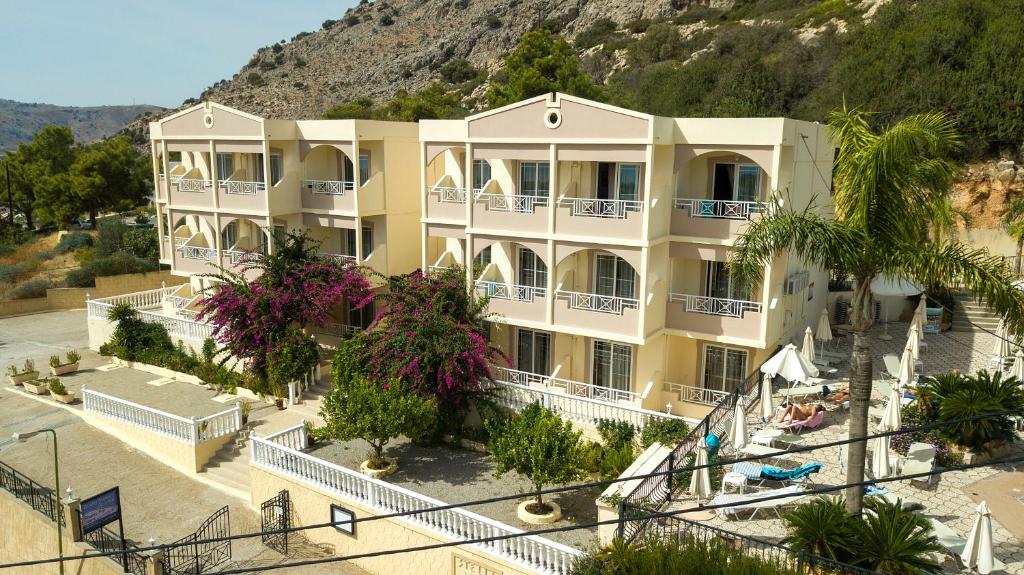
<point>342,518</point>
<point>101,509</point>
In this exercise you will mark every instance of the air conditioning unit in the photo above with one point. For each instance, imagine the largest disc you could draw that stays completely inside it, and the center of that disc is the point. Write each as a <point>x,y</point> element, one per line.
<point>797,282</point>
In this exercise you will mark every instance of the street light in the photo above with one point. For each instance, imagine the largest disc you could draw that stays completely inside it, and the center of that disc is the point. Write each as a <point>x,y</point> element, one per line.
<point>20,437</point>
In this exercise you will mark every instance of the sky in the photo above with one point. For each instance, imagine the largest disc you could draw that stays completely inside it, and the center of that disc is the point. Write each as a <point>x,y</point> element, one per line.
<point>104,52</point>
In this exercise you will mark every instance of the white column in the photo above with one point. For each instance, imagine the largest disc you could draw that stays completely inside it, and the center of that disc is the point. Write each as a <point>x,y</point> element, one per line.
<point>423,206</point>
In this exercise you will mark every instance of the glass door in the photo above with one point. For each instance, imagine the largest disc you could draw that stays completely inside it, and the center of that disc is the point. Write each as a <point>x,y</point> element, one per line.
<point>724,367</point>
<point>614,277</point>
<point>613,365</point>
<point>748,183</point>
<point>628,187</point>
<point>229,237</point>
<point>532,271</point>
<point>481,173</point>
<point>534,179</point>
<point>533,351</point>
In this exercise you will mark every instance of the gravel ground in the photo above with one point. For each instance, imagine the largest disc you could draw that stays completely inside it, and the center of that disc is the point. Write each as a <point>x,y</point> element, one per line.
<point>456,475</point>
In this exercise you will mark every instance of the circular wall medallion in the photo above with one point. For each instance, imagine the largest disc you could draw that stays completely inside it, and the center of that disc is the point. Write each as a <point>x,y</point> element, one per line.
<point>208,120</point>
<point>552,118</point>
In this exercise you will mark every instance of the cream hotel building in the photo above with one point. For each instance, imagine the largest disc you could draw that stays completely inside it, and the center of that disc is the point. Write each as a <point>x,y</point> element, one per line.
<point>600,234</point>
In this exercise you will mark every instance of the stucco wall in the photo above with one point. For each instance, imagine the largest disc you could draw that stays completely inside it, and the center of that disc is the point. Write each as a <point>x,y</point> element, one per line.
<point>310,505</point>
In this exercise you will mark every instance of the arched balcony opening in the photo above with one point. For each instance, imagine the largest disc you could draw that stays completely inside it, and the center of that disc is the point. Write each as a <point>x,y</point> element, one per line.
<point>513,272</point>
<point>721,185</point>
<point>240,240</point>
<point>444,174</point>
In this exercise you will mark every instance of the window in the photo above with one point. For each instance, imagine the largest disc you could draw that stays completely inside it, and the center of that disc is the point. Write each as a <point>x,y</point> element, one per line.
<point>484,257</point>
<point>361,317</point>
<point>229,235</point>
<point>614,277</point>
<point>628,187</point>
<point>533,351</point>
<point>367,241</point>
<point>350,242</point>
<point>276,168</point>
<point>534,179</point>
<point>225,166</point>
<point>618,181</point>
<point>718,284</point>
<point>364,167</point>
<point>736,182</point>
<point>481,173</point>
<point>613,365</point>
<point>532,271</point>
<point>724,367</point>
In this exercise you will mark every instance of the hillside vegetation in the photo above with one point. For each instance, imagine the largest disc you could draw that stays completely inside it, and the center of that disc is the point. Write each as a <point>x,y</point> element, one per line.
<point>20,120</point>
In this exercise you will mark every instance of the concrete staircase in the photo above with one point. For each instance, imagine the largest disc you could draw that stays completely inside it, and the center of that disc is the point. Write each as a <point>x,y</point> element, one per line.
<point>968,311</point>
<point>228,470</point>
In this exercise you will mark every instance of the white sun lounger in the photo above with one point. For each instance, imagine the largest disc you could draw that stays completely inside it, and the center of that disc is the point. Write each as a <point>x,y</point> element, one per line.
<point>954,544</point>
<point>740,503</point>
<point>920,459</point>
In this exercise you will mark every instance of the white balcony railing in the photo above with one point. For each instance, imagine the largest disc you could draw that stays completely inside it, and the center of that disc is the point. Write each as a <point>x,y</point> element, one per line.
<point>597,208</point>
<point>590,391</point>
<point>511,292</point>
<point>714,305</point>
<point>701,395</point>
<point>242,188</point>
<point>340,258</point>
<point>449,194</point>
<point>236,257</point>
<point>197,253</point>
<point>329,187</point>
<point>190,431</point>
<point>597,302</point>
<point>518,377</point>
<point>141,299</point>
<point>177,327</point>
<point>519,204</point>
<point>534,553</point>
<point>193,185</point>
<point>719,209</point>
<point>179,241</point>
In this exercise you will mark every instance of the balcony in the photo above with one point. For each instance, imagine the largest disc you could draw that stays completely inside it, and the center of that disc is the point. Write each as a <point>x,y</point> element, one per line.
<point>339,258</point>
<point>565,386</point>
<point>515,302</point>
<point>191,192</point>
<point>332,195</point>
<point>713,219</point>
<point>711,316</point>
<point>242,195</point>
<point>446,200</point>
<point>591,311</point>
<point>613,218</point>
<point>194,258</point>
<point>493,209</point>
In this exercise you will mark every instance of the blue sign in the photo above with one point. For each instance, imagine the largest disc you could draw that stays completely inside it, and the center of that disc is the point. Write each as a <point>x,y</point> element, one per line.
<point>101,509</point>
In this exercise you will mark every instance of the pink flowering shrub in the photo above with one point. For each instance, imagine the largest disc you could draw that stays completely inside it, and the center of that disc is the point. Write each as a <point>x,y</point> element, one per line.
<point>295,289</point>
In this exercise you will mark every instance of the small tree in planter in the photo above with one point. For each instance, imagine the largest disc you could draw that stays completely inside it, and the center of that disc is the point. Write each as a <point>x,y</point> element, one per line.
<point>542,446</point>
<point>27,373</point>
<point>39,386</point>
<point>359,408</point>
<point>69,366</point>
<point>59,392</point>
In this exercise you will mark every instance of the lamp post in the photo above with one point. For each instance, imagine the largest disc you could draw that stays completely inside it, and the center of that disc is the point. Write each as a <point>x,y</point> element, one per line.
<point>56,478</point>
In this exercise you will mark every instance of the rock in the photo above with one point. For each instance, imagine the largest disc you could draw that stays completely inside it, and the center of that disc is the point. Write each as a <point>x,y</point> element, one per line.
<point>1006,176</point>
<point>1003,165</point>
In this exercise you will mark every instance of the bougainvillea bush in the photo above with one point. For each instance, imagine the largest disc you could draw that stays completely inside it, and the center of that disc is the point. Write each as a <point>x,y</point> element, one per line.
<point>431,333</point>
<point>295,289</point>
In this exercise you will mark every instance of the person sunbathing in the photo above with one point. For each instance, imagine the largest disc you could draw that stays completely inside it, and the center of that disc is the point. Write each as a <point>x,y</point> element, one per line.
<point>797,412</point>
<point>838,396</point>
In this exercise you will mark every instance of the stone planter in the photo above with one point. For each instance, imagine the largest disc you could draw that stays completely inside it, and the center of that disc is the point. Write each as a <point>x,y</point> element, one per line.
<point>37,387</point>
<point>23,377</point>
<point>64,369</point>
<point>379,473</point>
<point>66,398</point>
<point>533,519</point>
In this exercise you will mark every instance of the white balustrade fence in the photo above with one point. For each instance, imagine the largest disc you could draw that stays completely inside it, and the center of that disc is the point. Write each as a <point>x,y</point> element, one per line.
<point>190,431</point>
<point>197,253</point>
<point>242,188</point>
<point>140,299</point>
<point>179,241</point>
<point>575,408</point>
<point>193,185</point>
<point>530,551</point>
<point>296,437</point>
<point>177,327</point>
<point>449,194</point>
<point>700,395</point>
<point>599,208</point>
<point>330,187</point>
<point>515,203</point>
<point>511,292</point>
<point>597,302</point>
<point>507,374</point>
<point>715,305</point>
<point>719,209</point>
<point>236,257</point>
<point>340,258</point>
<point>567,386</point>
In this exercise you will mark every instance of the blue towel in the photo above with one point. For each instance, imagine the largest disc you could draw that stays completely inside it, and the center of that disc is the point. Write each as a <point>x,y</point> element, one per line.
<point>779,474</point>
<point>874,490</point>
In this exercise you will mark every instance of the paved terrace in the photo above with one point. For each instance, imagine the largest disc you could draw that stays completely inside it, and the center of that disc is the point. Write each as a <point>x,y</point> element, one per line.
<point>954,495</point>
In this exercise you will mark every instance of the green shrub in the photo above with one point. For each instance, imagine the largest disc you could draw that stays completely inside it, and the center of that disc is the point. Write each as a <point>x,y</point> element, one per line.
<point>492,22</point>
<point>616,460</point>
<point>598,32</point>
<point>30,289</point>
<point>457,71</point>
<point>638,26</point>
<point>10,272</point>
<point>142,243</point>
<point>615,433</point>
<point>43,255</point>
<point>956,396</point>
<point>134,339</point>
<point>254,79</point>
<point>57,386</point>
<point>73,241</point>
<point>667,432</point>
<point>119,263</point>
<point>110,237</point>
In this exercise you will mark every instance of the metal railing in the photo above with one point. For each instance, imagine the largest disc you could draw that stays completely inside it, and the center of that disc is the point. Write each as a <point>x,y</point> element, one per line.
<point>42,499</point>
<point>511,292</point>
<point>339,329</point>
<point>449,194</point>
<point>597,302</point>
<point>176,327</point>
<point>106,541</point>
<point>533,552</point>
<point>242,188</point>
<point>190,431</point>
<point>714,305</point>
<point>197,253</point>
<point>700,395</point>
<point>601,208</point>
<point>330,187</point>
<point>193,185</point>
<point>719,209</point>
<point>340,258</point>
<point>514,203</point>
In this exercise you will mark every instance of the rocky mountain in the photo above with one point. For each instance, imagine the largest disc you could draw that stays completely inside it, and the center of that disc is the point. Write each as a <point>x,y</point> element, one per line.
<point>20,120</point>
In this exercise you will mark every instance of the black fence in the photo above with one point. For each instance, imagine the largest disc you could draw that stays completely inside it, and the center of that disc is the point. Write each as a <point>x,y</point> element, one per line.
<point>275,515</point>
<point>106,541</point>
<point>42,499</point>
<point>189,556</point>
<point>682,531</point>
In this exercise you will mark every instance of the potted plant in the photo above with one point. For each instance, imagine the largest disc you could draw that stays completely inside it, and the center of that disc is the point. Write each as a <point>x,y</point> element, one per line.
<point>59,392</point>
<point>69,366</point>
<point>246,409</point>
<point>37,386</point>
<point>27,373</point>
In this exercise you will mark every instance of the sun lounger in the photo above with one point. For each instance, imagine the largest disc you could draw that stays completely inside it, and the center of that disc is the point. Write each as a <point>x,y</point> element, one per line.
<point>920,459</point>
<point>954,544</point>
<point>756,472</point>
<point>805,390</point>
<point>753,449</point>
<point>810,423</point>
<point>740,504</point>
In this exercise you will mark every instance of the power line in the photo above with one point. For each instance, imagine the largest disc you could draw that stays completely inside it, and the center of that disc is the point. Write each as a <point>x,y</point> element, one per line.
<point>719,463</point>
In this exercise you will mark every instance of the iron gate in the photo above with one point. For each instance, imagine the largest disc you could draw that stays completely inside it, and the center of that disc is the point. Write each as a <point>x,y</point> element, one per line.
<point>190,557</point>
<point>276,514</point>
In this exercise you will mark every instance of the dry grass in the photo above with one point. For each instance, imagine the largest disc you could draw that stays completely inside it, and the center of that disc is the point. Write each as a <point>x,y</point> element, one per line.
<point>53,269</point>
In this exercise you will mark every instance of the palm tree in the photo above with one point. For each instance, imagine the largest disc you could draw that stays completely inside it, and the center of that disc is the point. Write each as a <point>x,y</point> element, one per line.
<point>888,187</point>
<point>821,527</point>
<point>894,539</point>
